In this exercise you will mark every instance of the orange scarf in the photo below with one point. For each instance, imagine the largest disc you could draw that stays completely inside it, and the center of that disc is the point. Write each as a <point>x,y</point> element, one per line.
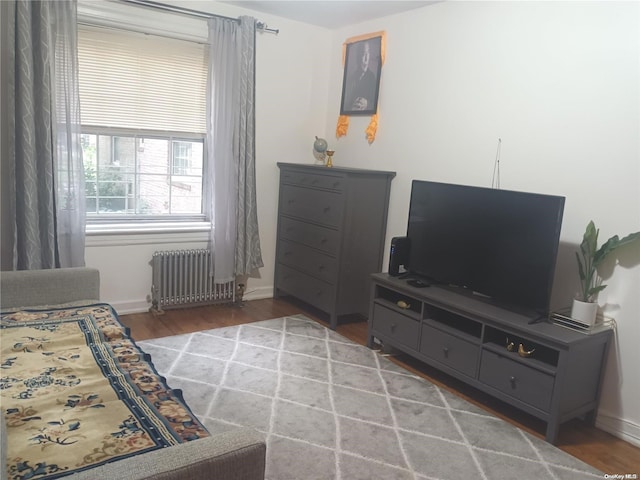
<point>343,120</point>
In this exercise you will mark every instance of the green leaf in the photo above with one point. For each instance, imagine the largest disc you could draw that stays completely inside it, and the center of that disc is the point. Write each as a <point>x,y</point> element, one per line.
<point>629,239</point>
<point>595,290</point>
<point>613,244</point>
<point>580,267</point>
<point>590,240</point>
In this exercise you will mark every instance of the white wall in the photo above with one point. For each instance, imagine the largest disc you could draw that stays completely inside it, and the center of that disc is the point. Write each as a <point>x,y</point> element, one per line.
<point>558,82</point>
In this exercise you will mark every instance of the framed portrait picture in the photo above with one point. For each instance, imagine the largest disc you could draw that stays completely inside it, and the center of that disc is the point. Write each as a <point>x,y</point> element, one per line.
<point>361,79</point>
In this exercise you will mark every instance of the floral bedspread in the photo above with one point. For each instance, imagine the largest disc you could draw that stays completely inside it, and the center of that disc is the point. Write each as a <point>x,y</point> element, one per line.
<point>77,392</point>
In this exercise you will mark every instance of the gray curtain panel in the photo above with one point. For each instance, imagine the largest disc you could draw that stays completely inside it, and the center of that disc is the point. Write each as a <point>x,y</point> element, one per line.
<point>45,188</point>
<point>68,165</point>
<point>248,253</point>
<point>230,198</point>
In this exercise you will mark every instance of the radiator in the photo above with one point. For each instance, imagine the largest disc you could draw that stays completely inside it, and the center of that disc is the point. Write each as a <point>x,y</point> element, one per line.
<point>182,278</point>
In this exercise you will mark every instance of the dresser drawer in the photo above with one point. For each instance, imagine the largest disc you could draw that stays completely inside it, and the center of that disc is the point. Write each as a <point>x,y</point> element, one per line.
<point>316,206</point>
<point>450,350</point>
<point>315,236</point>
<point>395,326</point>
<point>301,257</point>
<point>311,290</point>
<point>316,180</point>
<point>517,380</point>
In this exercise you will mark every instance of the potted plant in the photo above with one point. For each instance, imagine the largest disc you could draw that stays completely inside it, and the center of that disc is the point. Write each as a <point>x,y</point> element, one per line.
<point>589,258</point>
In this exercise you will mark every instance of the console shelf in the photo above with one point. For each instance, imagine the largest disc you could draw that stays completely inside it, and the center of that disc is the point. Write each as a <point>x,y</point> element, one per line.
<point>468,338</point>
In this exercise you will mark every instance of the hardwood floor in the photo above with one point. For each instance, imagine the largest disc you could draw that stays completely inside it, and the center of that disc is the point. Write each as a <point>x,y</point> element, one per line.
<point>602,450</point>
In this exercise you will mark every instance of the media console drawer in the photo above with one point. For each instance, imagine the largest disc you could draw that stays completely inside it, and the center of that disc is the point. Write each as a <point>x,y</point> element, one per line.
<point>449,350</point>
<point>396,326</point>
<point>517,380</point>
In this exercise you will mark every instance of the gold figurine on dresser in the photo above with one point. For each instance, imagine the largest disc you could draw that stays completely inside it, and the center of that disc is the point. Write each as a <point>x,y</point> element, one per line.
<point>330,158</point>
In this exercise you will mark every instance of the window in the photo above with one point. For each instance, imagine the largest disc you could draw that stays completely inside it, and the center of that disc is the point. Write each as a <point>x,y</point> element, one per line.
<point>142,175</point>
<point>143,111</point>
<point>182,162</point>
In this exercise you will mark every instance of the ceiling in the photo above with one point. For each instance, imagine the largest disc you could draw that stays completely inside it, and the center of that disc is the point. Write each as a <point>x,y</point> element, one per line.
<point>331,13</point>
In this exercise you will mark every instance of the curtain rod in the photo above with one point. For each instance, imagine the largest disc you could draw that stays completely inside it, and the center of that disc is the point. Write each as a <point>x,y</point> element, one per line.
<point>194,13</point>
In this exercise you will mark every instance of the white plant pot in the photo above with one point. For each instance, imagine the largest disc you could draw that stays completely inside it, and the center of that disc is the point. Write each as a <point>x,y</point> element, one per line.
<point>584,312</point>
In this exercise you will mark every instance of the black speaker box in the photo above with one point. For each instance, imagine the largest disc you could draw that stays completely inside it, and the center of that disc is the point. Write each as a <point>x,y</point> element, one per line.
<point>399,255</point>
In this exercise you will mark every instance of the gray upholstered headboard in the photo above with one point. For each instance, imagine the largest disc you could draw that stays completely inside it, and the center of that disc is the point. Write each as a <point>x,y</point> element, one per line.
<point>48,287</point>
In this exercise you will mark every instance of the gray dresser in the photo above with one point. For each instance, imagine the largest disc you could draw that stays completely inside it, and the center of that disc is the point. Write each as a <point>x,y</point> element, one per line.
<point>331,233</point>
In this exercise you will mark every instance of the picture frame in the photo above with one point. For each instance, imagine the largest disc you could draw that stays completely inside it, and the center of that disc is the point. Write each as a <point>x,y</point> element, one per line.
<point>361,77</point>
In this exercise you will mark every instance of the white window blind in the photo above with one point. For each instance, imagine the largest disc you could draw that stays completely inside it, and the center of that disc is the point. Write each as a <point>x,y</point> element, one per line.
<point>137,81</point>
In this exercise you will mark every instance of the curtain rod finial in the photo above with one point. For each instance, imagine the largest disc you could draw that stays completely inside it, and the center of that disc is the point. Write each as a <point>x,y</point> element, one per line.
<point>263,27</point>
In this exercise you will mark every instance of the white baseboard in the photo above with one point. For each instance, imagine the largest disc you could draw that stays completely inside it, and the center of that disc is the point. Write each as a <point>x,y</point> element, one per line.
<point>131,306</point>
<point>127,307</point>
<point>619,427</point>
<point>258,293</point>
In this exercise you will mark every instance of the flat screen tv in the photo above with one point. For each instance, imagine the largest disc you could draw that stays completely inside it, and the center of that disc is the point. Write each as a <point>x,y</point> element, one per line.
<point>498,244</point>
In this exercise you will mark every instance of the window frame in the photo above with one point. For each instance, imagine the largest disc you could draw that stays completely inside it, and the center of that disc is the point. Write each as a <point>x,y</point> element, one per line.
<point>100,222</point>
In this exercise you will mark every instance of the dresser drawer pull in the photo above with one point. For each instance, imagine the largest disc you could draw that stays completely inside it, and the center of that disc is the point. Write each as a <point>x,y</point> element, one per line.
<point>321,268</point>
<point>291,200</point>
<point>393,327</point>
<point>512,381</point>
<point>326,209</point>
<point>323,240</point>
<point>336,184</point>
<point>445,351</point>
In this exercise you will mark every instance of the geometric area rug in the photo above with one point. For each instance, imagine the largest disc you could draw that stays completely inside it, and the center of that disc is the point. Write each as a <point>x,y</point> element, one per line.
<point>332,409</point>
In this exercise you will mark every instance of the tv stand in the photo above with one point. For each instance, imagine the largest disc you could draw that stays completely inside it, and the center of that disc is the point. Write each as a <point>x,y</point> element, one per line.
<point>467,339</point>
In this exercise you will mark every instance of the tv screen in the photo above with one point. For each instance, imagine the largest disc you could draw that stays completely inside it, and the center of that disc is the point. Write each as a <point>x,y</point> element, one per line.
<point>497,243</point>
